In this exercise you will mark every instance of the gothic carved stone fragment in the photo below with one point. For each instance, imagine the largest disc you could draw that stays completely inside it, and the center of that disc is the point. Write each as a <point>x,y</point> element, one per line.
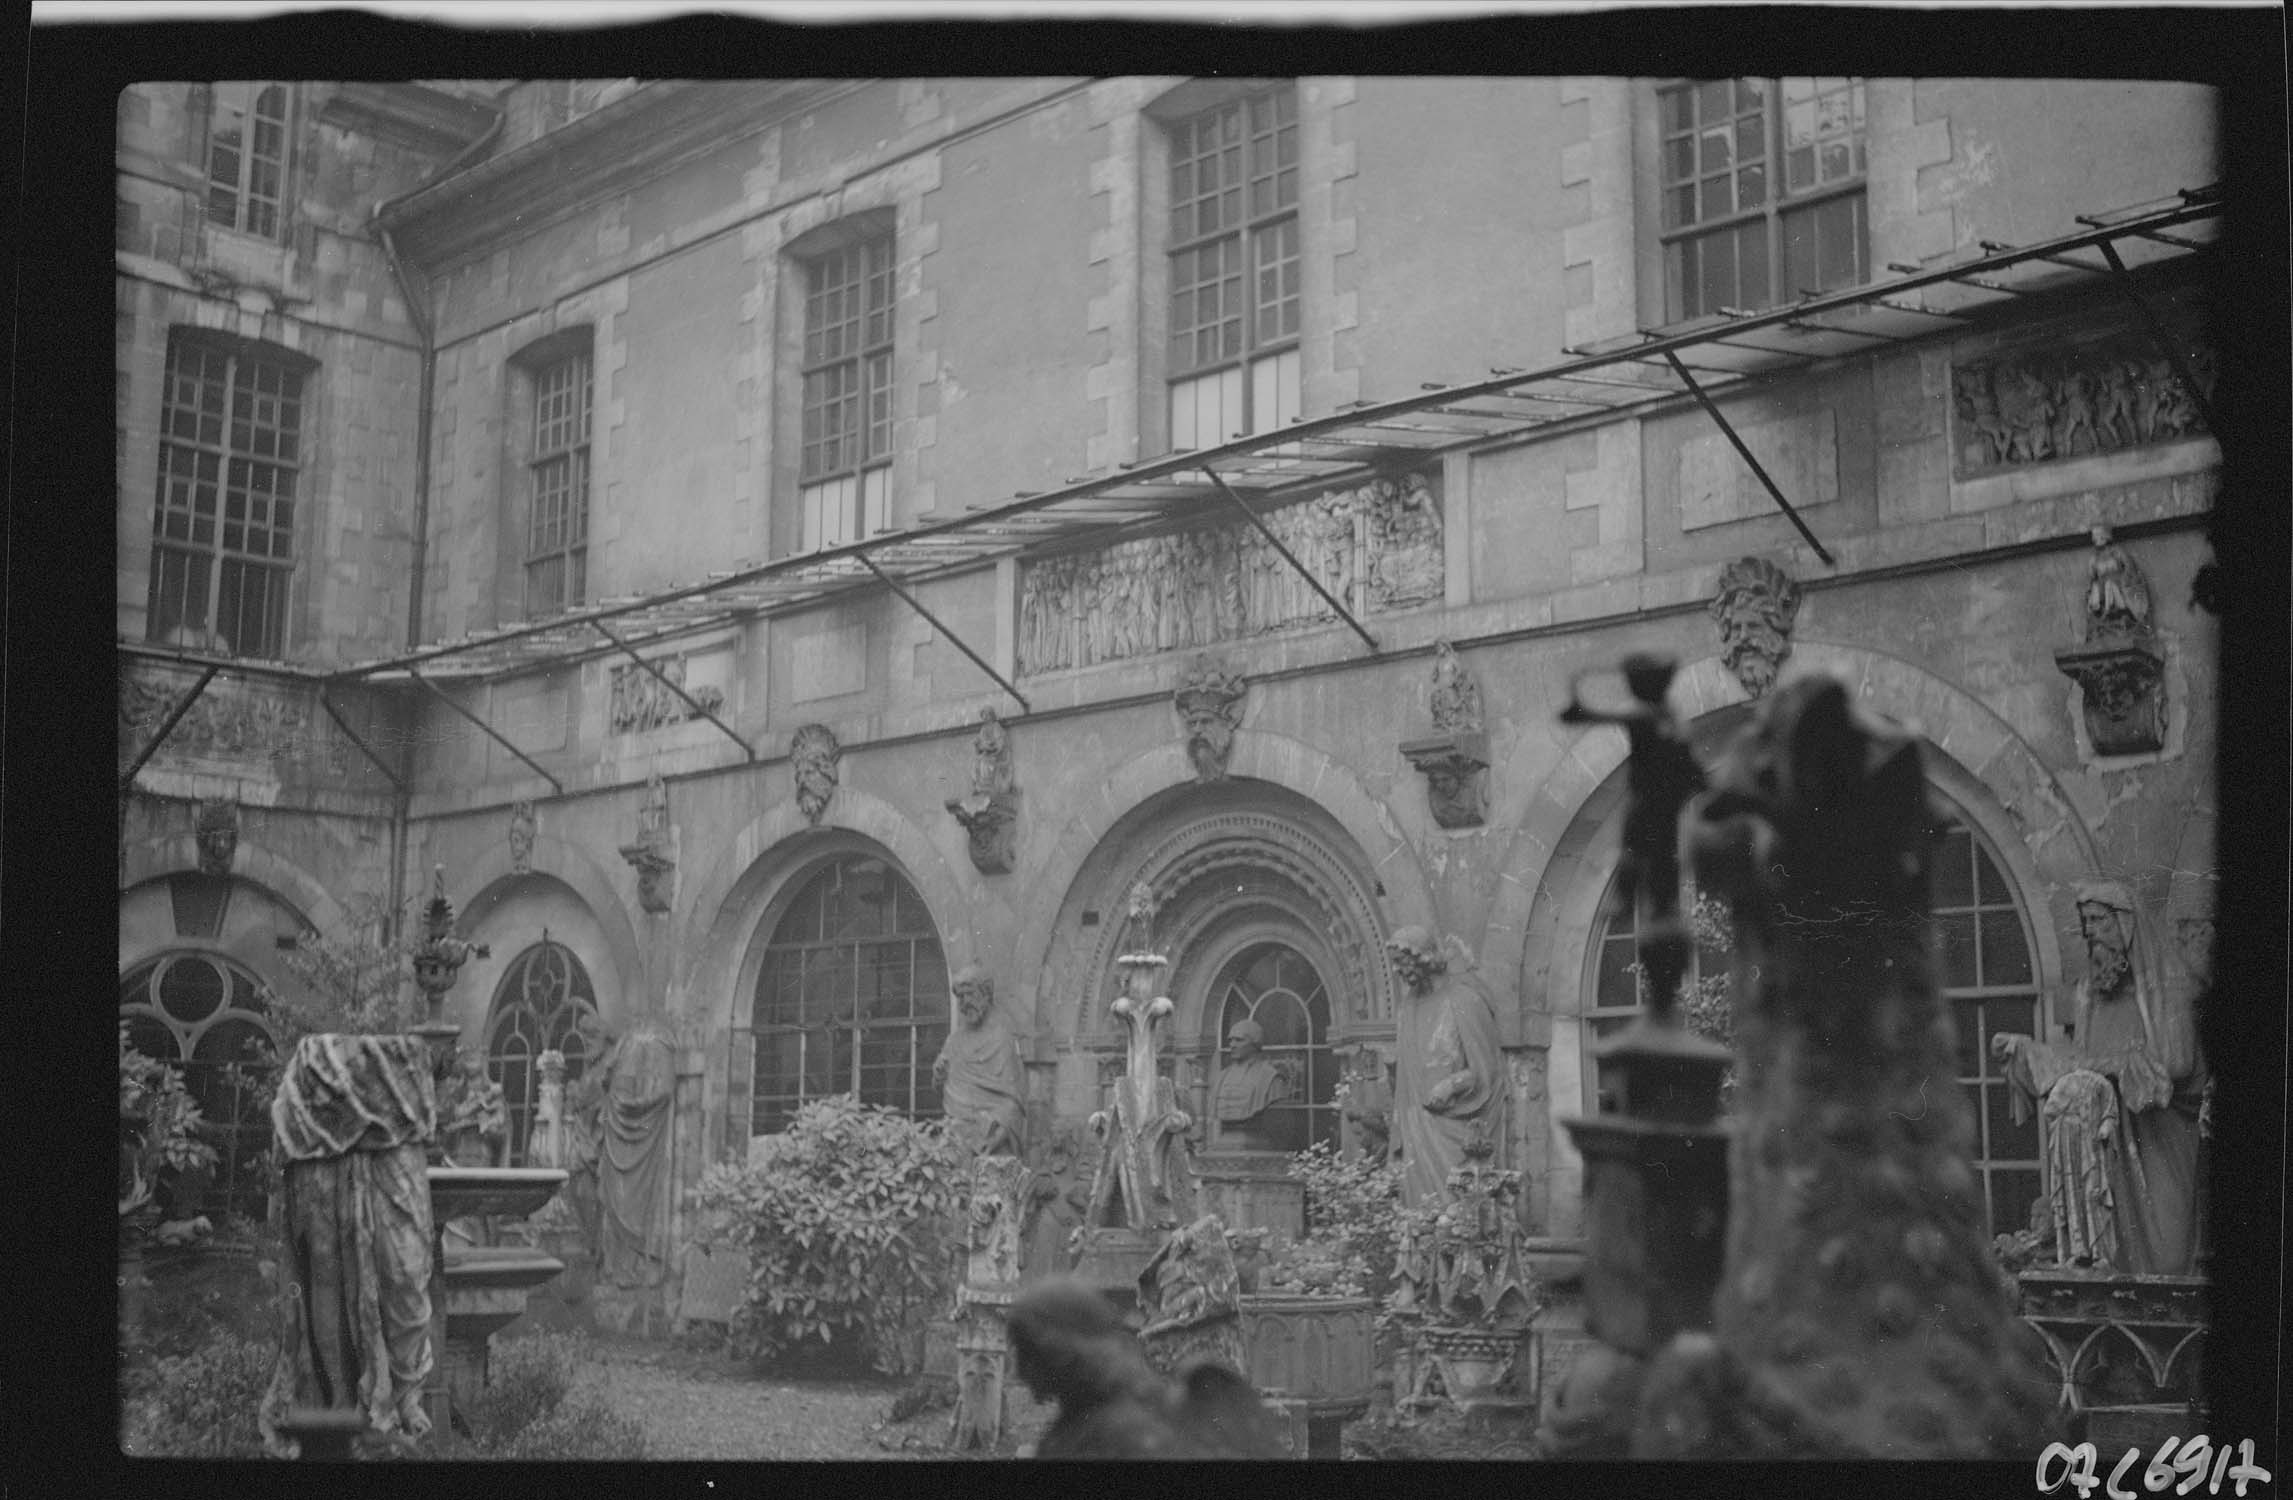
<point>1209,704</point>
<point>2118,668</point>
<point>2101,398</point>
<point>989,812</point>
<point>1755,608</point>
<point>522,828</point>
<point>228,721</point>
<point>218,832</point>
<point>1375,548</point>
<point>653,854</point>
<point>813,755</point>
<point>1455,759</point>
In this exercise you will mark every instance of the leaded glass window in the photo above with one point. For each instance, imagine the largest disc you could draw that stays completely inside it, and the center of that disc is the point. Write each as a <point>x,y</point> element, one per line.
<point>846,448</point>
<point>557,528</point>
<point>247,157</point>
<point>544,1003</point>
<point>1276,986</point>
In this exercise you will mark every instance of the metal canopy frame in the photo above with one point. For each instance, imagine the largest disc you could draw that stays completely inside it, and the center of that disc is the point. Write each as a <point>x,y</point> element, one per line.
<point>1700,361</point>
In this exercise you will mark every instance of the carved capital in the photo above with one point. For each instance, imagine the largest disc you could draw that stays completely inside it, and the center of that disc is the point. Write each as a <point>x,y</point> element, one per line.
<point>1455,767</point>
<point>2122,687</point>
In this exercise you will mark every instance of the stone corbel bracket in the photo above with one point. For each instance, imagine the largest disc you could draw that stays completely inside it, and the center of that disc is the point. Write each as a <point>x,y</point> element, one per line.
<point>2121,685</point>
<point>992,821</point>
<point>656,869</point>
<point>1455,766</point>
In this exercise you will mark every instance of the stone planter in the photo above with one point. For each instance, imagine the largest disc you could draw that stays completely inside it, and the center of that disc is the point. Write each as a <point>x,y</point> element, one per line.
<point>1314,1360</point>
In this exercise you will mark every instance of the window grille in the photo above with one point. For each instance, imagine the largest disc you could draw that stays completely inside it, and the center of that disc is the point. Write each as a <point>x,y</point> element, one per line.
<point>557,529</point>
<point>223,536</point>
<point>206,1016</point>
<point>247,157</point>
<point>1234,265</point>
<point>1987,978</point>
<point>543,1003</point>
<point>1275,985</point>
<point>852,998</point>
<point>846,449</point>
<point>1763,191</point>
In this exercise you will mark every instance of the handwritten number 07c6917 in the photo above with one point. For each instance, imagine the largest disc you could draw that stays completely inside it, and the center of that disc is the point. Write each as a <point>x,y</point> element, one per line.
<point>2197,1462</point>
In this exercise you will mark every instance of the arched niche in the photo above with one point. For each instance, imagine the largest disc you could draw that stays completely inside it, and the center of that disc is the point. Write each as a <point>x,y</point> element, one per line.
<point>514,913</point>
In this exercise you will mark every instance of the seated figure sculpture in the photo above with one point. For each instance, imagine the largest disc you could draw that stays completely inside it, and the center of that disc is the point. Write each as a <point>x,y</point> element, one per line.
<point>1250,1084</point>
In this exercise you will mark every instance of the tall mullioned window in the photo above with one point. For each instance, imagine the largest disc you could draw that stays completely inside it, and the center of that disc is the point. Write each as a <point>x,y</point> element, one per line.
<point>852,998</point>
<point>207,1016</point>
<point>247,157</point>
<point>540,1006</point>
<point>1275,986</point>
<point>1763,183</point>
<point>846,464</point>
<point>223,535</point>
<point>1234,258</point>
<point>557,527</point>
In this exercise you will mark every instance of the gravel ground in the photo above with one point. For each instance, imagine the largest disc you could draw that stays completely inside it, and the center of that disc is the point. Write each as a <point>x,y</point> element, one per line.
<point>700,1405</point>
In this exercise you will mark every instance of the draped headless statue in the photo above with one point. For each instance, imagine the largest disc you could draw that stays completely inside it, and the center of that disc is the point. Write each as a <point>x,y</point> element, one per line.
<point>634,1121</point>
<point>1449,1087</point>
<point>982,1083</point>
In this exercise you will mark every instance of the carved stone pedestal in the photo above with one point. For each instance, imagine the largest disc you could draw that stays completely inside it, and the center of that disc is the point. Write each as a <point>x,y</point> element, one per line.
<point>1253,1190</point>
<point>2127,1349</point>
<point>1314,1360</point>
<point>2122,693</point>
<point>1456,771</point>
<point>982,1369</point>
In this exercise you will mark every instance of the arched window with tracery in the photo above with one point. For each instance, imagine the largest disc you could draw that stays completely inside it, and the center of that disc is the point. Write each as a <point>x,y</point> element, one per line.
<point>541,1004</point>
<point>1276,986</point>
<point>852,997</point>
<point>206,1015</point>
<point>1988,977</point>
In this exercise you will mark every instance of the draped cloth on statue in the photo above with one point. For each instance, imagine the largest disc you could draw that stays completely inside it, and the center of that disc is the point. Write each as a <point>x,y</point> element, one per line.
<point>1449,1085</point>
<point>633,1176</point>
<point>984,1080</point>
<point>350,1122</point>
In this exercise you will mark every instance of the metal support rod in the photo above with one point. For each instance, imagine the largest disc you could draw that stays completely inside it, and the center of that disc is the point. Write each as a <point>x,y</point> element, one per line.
<point>1713,412</point>
<point>934,621</point>
<point>167,727</point>
<point>488,729</point>
<point>2166,343</point>
<point>662,678</point>
<point>344,725</point>
<point>1303,571</point>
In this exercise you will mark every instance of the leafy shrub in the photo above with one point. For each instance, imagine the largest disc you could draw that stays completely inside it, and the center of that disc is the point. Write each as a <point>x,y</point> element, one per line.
<point>849,1219</point>
<point>200,1405</point>
<point>526,1380</point>
<point>159,1127</point>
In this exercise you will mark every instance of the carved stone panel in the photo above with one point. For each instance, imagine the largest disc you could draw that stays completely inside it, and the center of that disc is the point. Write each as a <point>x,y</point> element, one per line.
<point>279,727</point>
<point>814,755</point>
<point>2041,406</point>
<point>1378,547</point>
<point>642,701</point>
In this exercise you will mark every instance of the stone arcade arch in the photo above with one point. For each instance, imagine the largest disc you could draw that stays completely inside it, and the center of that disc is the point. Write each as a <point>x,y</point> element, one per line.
<point>1563,856</point>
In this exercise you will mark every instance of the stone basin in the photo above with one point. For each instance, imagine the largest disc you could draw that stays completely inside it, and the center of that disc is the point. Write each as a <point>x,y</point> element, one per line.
<point>510,1192</point>
<point>486,1286</point>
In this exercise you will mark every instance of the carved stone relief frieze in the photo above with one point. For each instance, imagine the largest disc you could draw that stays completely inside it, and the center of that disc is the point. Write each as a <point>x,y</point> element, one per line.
<point>813,755</point>
<point>228,721</point>
<point>641,701</point>
<point>2103,397</point>
<point>1377,547</point>
<point>1755,608</point>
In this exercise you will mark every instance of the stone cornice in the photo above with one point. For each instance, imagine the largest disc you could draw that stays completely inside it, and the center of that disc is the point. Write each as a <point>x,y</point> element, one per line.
<point>407,114</point>
<point>594,158</point>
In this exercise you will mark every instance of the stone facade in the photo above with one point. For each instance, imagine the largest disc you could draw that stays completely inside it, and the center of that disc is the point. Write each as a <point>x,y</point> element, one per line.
<point>668,257</point>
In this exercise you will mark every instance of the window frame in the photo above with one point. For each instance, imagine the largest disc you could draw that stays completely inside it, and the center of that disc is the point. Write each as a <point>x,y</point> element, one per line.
<point>557,1023</point>
<point>848,359</point>
<point>1316,1060</point>
<point>1779,201</point>
<point>557,513</point>
<point>1260,357</point>
<point>1983,1085</point>
<point>191,461</point>
<point>787,961</point>
<point>233,200</point>
<point>241,1176</point>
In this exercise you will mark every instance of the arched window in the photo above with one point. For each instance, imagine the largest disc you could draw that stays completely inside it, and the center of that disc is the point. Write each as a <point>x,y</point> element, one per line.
<point>852,997</point>
<point>247,157</point>
<point>539,1006</point>
<point>205,1014</point>
<point>1274,985</point>
<point>1984,964</point>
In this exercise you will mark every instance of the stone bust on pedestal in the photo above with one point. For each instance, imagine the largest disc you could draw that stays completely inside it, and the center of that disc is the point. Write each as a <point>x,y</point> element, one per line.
<point>1248,1086</point>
